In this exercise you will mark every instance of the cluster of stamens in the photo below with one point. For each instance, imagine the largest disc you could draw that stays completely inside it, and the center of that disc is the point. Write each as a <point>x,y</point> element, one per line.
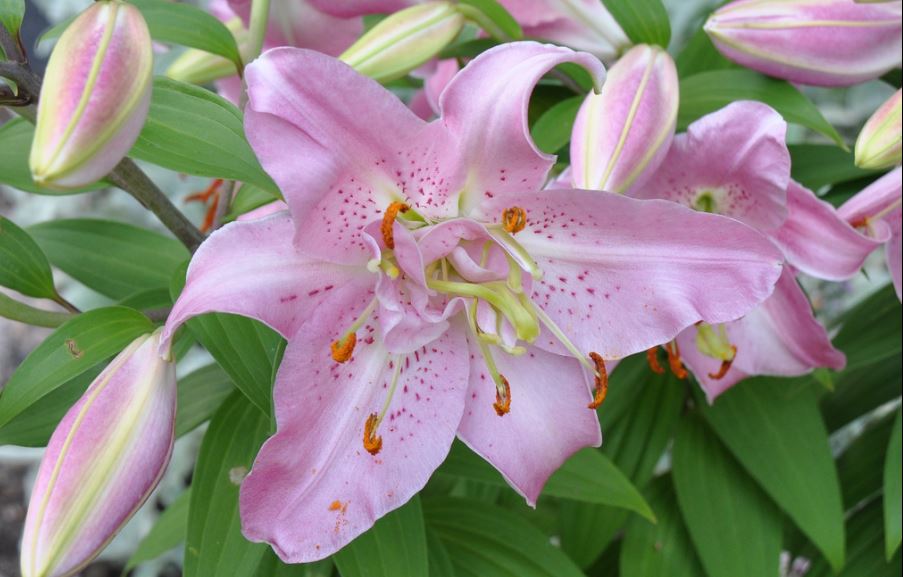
<point>211,197</point>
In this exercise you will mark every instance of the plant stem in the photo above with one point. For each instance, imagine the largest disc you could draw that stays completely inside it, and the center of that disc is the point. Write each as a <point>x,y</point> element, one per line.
<point>257,28</point>
<point>21,312</point>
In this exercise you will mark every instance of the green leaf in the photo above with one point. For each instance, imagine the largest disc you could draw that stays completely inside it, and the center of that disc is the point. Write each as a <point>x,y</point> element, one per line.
<point>468,48</point>
<point>663,549</point>
<point>73,348</point>
<point>866,546</point>
<point>861,465</point>
<point>797,470</point>
<point>735,527</point>
<point>215,545</point>
<point>707,92</point>
<point>200,395</point>
<point>23,313</point>
<point>588,476</point>
<point>192,130</point>
<point>439,560</point>
<point>552,131</point>
<point>15,146</point>
<point>271,566</point>
<point>23,267</point>
<point>33,426</point>
<point>494,19</point>
<point>485,540</point>
<point>818,165</point>
<point>245,348</point>
<point>396,545</point>
<point>644,21</point>
<point>167,533</point>
<point>247,199</point>
<point>114,258</point>
<point>893,486</point>
<point>12,12</point>
<point>189,26</point>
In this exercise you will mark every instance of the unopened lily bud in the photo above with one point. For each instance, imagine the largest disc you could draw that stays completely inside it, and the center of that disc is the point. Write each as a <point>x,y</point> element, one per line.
<point>95,96</point>
<point>622,134</point>
<point>201,67</point>
<point>879,143</point>
<point>102,462</point>
<point>817,42</point>
<point>404,40</point>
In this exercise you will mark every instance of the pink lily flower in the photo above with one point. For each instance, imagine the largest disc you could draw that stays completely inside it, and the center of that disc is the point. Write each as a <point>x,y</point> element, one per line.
<point>735,162</point>
<point>429,289</point>
<point>877,214</point>
<point>818,42</point>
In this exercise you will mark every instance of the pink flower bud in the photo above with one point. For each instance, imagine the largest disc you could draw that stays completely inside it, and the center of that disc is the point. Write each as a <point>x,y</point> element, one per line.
<point>95,96</point>
<point>879,143</point>
<point>622,134</point>
<point>102,462</point>
<point>819,42</point>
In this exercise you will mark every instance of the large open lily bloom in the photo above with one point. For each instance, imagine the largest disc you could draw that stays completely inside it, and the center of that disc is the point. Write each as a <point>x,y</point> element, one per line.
<point>429,288</point>
<point>877,213</point>
<point>735,162</point>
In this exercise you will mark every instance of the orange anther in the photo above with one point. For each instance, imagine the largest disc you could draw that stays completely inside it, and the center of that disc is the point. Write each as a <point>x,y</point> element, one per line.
<point>372,442</point>
<point>211,197</point>
<point>601,381</point>
<point>342,349</point>
<point>725,366</point>
<point>652,359</point>
<point>502,404</point>
<point>677,366</point>
<point>514,219</point>
<point>389,219</point>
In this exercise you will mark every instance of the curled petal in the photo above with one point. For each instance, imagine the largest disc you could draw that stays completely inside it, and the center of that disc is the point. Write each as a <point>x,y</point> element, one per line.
<point>622,135</point>
<point>485,108</point>
<point>823,42</point>
<point>102,462</point>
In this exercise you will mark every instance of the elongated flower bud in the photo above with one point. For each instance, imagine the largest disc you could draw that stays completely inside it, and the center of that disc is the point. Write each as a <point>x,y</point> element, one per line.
<point>200,67</point>
<point>879,143</point>
<point>95,96</point>
<point>404,40</point>
<point>103,460</point>
<point>818,42</point>
<point>622,134</point>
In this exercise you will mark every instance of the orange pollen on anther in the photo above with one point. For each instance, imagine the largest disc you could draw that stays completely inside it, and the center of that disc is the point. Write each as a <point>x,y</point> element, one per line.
<point>514,219</point>
<point>677,366</point>
<point>372,442</point>
<point>342,349</point>
<point>502,405</point>
<point>725,366</point>
<point>211,197</point>
<point>652,359</point>
<point>389,219</point>
<point>601,381</point>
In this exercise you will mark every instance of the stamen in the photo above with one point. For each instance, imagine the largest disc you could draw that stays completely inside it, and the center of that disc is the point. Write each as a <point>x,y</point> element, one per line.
<point>652,359</point>
<point>725,366</point>
<point>373,443</point>
<point>389,219</point>
<point>342,349</point>
<point>677,366</point>
<point>514,219</point>
<point>502,404</point>
<point>601,381</point>
<point>557,332</point>
<point>211,197</point>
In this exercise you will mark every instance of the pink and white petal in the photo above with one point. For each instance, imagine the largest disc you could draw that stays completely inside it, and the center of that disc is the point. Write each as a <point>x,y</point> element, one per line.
<point>622,275</point>
<point>341,148</point>
<point>780,338</point>
<point>351,8</point>
<point>875,198</point>
<point>548,421</point>
<point>485,107</point>
<point>252,269</point>
<point>817,241</point>
<point>313,487</point>
<point>894,248</point>
<point>435,83</point>
<point>264,211</point>
<point>736,156</point>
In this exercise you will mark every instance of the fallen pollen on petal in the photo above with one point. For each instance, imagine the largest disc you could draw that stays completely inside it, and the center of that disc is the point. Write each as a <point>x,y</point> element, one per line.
<point>389,219</point>
<point>601,381</point>
<point>502,404</point>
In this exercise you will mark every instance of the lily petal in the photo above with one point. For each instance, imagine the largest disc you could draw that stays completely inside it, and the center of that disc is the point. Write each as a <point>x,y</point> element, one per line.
<point>622,275</point>
<point>351,8</point>
<point>817,241</point>
<point>782,338</point>
<point>313,487</point>
<point>545,425</point>
<point>337,172</point>
<point>251,268</point>
<point>485,107</point>
<point>732,162</point>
